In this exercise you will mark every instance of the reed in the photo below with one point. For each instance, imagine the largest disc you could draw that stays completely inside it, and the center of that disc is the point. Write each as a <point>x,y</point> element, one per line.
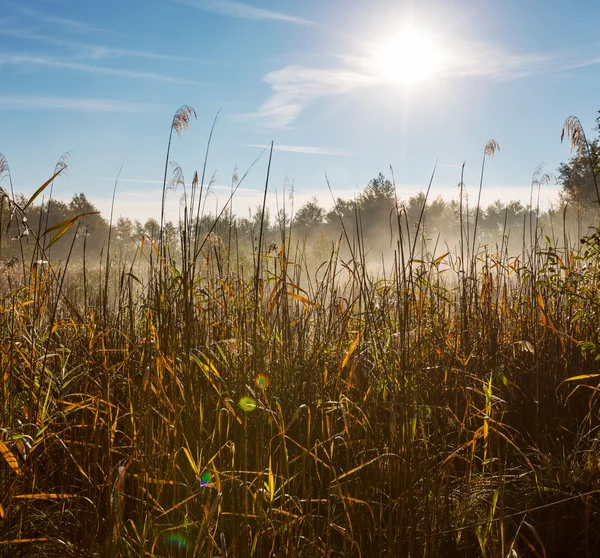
<point>214,405</point>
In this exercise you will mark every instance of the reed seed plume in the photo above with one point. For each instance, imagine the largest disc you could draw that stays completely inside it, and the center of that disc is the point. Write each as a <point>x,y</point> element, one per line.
<point>3,165</point>
<point>181,123</point>
<point>575,133</point>
<point>491,147</point>
<point>63,163</point>
<point>182,119</point>
<point>541,178</point>
<point>177,178</point>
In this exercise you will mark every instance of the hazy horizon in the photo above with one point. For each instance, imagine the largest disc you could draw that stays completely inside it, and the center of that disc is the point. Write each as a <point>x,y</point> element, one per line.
<point>342,91</point>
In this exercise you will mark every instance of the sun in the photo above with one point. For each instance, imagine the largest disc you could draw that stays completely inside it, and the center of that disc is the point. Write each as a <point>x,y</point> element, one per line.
<point>410,56</point>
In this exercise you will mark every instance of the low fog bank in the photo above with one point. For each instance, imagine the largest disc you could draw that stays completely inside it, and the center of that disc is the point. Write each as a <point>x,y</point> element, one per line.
<point>376,227</point>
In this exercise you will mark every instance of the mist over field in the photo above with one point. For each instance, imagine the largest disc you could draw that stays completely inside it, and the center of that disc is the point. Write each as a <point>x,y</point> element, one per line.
<point>375,217</point>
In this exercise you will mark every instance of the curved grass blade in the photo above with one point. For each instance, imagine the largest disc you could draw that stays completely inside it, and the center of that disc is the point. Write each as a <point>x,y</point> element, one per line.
<point>64,226</point>
<point>43,187</point>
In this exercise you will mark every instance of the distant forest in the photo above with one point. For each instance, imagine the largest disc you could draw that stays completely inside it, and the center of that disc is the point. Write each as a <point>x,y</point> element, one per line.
<point>376,212</point>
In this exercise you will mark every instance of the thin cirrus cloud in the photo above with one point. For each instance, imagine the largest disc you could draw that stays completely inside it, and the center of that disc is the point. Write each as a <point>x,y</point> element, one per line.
<point>70,104</point>
<point>239,10</point>
<point>295,87</point>
<point>94,51</point>
<point>56,63</point>
<point>304,149</point>
<point>62,21</point>
<point>483,60</point>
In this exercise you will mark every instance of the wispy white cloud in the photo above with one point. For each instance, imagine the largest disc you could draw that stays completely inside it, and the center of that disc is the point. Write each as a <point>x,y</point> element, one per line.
<point>237,9</point>
<point>57,63</point>
<point>62,21</point>
<point>73,104</point>
<point>484,60</point>
<point>295,87</point>
<point>466,58</point>
<point>575,62</point>
<point>99,51</point>
<point>94,51</point>
<point>305,149</point>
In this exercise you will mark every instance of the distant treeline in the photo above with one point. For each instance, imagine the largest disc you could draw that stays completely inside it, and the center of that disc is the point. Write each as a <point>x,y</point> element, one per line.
<point>376,213</point>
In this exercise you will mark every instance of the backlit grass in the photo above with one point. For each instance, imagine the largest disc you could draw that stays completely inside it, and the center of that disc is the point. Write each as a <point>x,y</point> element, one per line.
<point>222,404</point>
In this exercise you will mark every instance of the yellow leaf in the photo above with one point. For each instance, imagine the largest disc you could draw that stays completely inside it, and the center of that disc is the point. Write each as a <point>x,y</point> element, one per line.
<point>438,260</point>
<point>271,482</point>
<point>303,299</point>
<point>208,368</point>
<point>10,458</point>
<point>351,350</point>
<point>43,187</point>
<point>191,460</point>
<point>45,496</point>
<point>23,541</point>
<point>541,301</point>
<point>581,377</point>
<point>64,226</point>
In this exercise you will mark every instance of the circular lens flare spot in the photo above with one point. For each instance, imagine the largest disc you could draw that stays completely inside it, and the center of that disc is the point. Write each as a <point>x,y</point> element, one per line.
<point>262,381</point>
<point>176,540</point>
<point>247,404</point>
<point>205,479</point>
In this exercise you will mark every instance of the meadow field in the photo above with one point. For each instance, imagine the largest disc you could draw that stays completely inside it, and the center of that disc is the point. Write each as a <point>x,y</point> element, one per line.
<point>224,402</point>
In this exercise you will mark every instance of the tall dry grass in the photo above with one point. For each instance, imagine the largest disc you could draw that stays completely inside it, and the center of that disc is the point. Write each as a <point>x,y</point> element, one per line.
<point>197,407</point>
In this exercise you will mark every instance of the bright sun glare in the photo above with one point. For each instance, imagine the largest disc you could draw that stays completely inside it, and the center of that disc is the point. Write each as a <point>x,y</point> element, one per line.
<point>408,57</point>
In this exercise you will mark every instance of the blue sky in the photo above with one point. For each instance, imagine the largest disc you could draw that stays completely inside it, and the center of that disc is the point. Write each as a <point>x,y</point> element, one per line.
<point>101,80</point>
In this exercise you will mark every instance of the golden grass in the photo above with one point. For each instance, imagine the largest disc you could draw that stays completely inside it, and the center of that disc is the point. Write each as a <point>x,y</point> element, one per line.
<point>212,411</point>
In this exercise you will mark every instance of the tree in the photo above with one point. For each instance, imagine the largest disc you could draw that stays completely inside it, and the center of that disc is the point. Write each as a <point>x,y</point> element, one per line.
<point>344,210</point>
<point>124,230</point>
<point>257,216</point>
<point>379,188</point>
<point>171,235</point>
<point>92,224</point>
<point>151,228</point>
<point>377,201</point>
<point>580,175</point>
<point>309,217</point>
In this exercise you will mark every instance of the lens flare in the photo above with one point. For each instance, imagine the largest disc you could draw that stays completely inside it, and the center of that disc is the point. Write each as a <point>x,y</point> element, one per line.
<point>247,404</point>
<point>262,381</point>
<point>205,479</point>
<point>176,540</point>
